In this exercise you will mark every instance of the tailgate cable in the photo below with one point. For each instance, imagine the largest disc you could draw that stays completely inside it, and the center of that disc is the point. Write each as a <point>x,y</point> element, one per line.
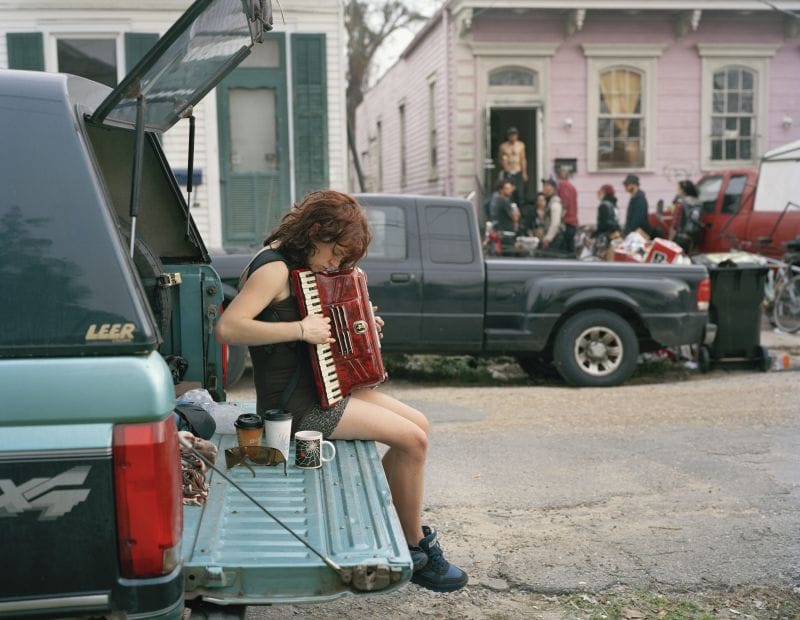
<point>363,577</point>
<point>321,556</point>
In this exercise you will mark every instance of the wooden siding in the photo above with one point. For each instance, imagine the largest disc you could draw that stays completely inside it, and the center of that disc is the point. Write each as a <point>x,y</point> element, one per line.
<point>156,16</point>
<point>407,82</point>
<point>678,86</point>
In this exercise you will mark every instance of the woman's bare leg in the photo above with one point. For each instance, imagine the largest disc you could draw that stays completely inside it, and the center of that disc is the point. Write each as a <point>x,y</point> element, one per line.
<point>374,416</point>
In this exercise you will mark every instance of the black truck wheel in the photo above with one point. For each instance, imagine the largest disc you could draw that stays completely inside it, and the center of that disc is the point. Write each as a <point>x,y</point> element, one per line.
<point>596,348</point>
<point>237,358</point>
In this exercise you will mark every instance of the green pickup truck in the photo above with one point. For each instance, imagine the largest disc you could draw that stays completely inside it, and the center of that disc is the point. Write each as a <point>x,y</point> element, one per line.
<point>106,286</point>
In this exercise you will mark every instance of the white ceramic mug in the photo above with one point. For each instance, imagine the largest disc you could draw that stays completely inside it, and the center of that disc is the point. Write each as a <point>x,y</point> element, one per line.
<point>309,447</point>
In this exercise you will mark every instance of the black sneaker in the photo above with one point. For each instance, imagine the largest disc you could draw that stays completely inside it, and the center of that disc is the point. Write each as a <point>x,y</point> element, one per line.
<point>438,574</point>
<point>419,557</point>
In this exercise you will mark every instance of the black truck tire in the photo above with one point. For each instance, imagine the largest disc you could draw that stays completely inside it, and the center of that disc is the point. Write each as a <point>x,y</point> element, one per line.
<point>237,360</point>
<point>596,348</point>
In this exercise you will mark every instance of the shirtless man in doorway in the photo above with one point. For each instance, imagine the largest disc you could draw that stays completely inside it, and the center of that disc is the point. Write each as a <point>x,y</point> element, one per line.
<point>513,164</point>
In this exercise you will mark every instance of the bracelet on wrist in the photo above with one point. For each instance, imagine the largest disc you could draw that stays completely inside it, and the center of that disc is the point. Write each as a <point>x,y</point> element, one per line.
<point>302,331</point>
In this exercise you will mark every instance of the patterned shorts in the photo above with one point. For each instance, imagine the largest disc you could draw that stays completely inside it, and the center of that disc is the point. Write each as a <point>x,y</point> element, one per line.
<point>323,420</point>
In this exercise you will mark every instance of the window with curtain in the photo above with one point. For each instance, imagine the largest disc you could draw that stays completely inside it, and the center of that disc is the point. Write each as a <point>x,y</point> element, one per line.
<point>732,114</point>
<point>620,123</point>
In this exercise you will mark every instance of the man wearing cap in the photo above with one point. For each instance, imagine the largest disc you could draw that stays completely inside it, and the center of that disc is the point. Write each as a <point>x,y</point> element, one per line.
<point>513,163</point>
<point>553,215</point>
<point>636,217</point>
<point>502,213</point>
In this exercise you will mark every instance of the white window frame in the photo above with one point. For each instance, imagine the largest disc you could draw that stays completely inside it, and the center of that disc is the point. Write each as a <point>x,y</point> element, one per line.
<point>97,31</point>
<point>379,151</point>
<point>402,128</point>
<point>433,130</point>
<point>513,88</point>
<point>640,58</point>
<point>531,56</point>
<point>754,58</point>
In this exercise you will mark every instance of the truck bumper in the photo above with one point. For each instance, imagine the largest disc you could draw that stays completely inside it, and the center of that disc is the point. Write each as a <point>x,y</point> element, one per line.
<point>677,329</point>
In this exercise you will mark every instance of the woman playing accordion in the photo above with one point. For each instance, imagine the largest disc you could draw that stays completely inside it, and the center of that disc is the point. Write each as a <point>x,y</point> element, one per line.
<point>328,232</point>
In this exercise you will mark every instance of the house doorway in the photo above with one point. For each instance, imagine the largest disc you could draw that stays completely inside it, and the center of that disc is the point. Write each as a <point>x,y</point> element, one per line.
<point>525,120</point>
<point>253,147</point>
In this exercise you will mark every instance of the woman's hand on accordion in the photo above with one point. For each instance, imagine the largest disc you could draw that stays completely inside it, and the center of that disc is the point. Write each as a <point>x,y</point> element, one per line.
<point>316,329</point>
<point>378,321</point>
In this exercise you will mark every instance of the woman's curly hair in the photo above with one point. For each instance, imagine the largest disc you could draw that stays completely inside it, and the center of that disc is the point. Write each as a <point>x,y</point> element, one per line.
<point>324,216</point>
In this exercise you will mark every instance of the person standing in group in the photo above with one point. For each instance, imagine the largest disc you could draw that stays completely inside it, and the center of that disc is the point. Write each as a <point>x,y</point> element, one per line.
<point>328,231</point>
<point>636,216</point>
<point>514,164</point>
<point>607,222</point>
<point>504,216</point>
<point>553,234</point>
<point>687,225</point>
<point>541,214</point>
<point>569,201</point>
<point>532,221</point>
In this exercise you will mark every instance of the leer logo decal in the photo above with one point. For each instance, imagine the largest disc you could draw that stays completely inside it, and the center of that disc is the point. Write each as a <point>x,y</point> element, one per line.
<point>111,331</point>
<point>43,494</point>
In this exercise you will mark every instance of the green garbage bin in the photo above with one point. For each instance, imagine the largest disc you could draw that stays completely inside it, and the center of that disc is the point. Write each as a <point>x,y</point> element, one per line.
<point>736,294</point>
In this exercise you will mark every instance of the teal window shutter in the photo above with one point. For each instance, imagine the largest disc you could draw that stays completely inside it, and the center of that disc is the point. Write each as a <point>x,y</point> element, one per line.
<point>137,44</point>
<point>310,112</point>
<point>25,50</point>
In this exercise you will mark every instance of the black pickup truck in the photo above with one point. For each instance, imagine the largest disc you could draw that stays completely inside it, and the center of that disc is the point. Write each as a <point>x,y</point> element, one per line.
<point>438,294</point>
<point>108,299</point>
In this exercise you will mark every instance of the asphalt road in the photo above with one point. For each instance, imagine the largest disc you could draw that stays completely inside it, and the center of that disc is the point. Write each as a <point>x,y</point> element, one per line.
<point>673,486</point>
<point>683,485</point>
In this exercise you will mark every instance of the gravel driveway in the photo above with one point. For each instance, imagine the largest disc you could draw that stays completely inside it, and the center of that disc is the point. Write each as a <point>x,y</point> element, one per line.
<point>630,502</point>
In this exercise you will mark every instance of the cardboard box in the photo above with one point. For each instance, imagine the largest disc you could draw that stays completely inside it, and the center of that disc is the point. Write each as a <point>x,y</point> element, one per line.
<point>663,251</point>
<point>621,256</point>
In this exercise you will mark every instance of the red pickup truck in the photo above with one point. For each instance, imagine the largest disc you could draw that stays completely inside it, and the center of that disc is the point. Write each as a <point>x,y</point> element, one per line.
<point>746,210</point>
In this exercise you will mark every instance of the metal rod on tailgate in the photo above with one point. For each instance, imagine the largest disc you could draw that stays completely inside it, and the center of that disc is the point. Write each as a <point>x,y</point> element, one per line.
<point>321,556</point>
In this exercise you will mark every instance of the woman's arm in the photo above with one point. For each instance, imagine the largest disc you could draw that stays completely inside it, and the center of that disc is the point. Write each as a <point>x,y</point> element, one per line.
<point>269,283</point>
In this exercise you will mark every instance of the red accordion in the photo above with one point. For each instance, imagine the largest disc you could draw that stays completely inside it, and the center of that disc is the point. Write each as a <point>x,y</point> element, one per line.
<point>354,360</point>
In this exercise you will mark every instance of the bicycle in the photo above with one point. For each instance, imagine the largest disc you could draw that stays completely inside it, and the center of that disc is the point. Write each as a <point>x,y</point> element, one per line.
<point>782,291</point>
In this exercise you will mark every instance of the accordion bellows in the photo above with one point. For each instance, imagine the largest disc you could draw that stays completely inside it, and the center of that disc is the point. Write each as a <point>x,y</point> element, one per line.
<point>354,360</point>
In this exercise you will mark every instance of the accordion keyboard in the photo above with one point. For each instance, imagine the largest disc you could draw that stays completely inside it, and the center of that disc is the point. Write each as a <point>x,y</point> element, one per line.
<point>324,352</point>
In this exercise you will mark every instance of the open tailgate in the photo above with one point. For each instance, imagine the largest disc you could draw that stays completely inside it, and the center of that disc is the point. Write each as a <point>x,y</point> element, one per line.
<point>234,553</point>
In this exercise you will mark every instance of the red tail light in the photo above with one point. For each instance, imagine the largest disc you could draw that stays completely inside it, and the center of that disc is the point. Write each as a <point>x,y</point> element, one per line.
<point>149,499</point>
<point>703,294</point>
<point>225,365</point>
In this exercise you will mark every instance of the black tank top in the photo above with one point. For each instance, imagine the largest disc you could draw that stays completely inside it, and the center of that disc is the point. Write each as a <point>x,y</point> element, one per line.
<point>275,364</point>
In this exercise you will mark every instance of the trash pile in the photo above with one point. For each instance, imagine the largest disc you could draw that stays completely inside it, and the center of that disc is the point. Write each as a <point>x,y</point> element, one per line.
<point>637,247</point>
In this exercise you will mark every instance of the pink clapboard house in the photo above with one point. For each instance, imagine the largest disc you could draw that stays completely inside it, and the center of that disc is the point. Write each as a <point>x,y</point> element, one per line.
<point>663,89</point>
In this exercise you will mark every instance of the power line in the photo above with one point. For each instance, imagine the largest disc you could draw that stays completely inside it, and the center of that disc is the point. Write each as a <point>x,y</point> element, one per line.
<point>775,7</point>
